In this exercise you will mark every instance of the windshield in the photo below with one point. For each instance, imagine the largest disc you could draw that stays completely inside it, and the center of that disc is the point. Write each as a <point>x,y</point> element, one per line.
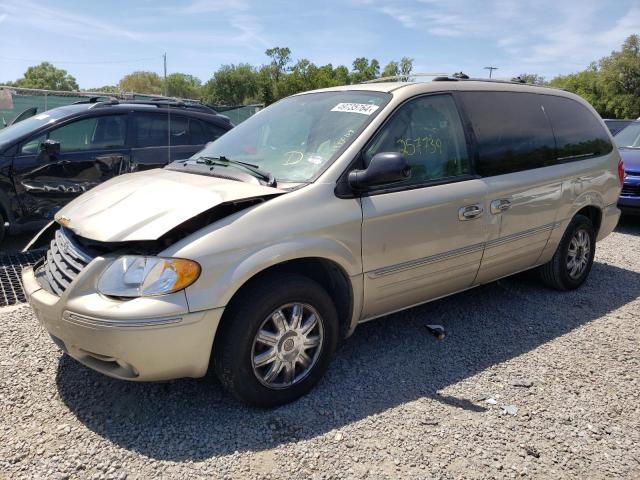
<point>30,124</point>
<point>296,138</point>
<point>629,137</point>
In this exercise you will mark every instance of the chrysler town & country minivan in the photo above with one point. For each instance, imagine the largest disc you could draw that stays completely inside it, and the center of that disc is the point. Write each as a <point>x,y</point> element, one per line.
<point>254,257</point>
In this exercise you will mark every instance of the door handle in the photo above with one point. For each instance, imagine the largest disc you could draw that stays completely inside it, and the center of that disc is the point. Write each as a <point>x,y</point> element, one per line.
<point>470,212</point>
<point>500,205</point>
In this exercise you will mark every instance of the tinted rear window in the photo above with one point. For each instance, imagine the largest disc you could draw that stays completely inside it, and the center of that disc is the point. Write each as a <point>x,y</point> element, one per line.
<point>578,132</point>
<point>202,132</point>
<point>512,131</point>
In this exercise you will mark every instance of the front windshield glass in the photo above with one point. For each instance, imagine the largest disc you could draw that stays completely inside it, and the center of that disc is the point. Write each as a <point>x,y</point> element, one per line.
<point>30,124</point>
<point>629,137</point>
<point>296,138</point>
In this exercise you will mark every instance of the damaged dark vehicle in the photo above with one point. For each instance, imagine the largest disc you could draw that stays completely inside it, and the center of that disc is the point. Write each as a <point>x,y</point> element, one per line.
<point>52,157</point>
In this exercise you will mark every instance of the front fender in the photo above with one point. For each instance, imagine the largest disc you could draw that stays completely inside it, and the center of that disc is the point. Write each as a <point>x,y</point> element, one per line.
<point>222,275</point>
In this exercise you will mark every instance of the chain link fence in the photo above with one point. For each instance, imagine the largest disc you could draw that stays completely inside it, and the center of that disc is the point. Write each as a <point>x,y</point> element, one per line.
<point>16,100</point>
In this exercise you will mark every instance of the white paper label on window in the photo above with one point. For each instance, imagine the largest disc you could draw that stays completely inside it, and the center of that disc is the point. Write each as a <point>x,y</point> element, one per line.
<point>364,108</point>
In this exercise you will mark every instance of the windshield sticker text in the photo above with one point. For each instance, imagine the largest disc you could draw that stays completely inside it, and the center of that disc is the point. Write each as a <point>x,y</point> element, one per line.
<point>364,108</point>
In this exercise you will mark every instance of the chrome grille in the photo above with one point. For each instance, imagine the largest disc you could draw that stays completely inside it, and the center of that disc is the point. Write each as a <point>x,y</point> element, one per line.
<point>65,259</point>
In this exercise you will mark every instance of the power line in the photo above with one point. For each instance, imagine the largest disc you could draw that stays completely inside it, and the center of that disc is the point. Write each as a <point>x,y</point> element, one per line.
<point>72,62</point>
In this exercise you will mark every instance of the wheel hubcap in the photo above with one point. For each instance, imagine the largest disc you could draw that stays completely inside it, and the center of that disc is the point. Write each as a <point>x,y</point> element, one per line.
<point>578,254</point>
<point>287,345</point>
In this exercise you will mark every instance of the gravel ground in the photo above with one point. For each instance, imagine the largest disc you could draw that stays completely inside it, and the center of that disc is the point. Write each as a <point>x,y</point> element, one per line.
<point>529,382</point>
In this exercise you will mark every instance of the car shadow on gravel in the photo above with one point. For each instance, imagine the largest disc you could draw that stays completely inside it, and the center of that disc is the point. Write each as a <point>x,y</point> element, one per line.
<point>385,364</point>
<point>629,225</point>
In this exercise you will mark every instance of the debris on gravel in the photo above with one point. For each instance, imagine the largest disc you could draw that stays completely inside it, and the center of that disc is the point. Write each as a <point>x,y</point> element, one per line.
<point>396,403</point>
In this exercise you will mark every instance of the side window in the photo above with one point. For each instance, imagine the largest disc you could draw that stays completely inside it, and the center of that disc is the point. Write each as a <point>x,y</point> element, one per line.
<point>91,133</point>
<point>202,133</point>
<point>512,131</point>
<point>32,146</point>
<point>151,130</point>
<point>428,131</point>
<point>198,133</point>
<point>179,130</point>
<point>578,132</point>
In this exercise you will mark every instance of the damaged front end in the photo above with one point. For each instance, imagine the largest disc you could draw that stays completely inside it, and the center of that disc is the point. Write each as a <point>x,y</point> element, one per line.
<point>68,253</point>
<point>114,220</point>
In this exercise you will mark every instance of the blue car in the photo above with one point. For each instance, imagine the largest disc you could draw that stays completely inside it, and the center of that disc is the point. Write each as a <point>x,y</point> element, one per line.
<point>628,140</point>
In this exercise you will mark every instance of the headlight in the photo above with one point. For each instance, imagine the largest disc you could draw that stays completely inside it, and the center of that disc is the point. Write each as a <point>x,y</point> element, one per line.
<point>137,276</point>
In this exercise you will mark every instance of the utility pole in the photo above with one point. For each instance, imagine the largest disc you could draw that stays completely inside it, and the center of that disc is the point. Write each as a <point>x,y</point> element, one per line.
<point>491,69</point>
<point>164,56</point>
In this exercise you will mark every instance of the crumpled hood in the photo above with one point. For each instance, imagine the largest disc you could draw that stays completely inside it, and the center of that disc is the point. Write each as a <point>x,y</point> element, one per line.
<point>146,205</point>
<point>631,159</point>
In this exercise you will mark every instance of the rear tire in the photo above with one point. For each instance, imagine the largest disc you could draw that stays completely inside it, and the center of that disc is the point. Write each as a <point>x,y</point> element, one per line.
<point>572,261</point>
<point>262,353</point>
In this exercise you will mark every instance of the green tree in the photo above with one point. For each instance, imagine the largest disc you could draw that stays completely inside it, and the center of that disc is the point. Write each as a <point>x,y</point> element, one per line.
<point>406,66</point>
<point>142,82</point>
<point>46,76</point>
<point>620,78</point>
<point>612,84</point>
<point>391,69</point>
<point>364,70</point>
<point>232,85</point>
<point>280,58</point>
<point>106,89</point>
<point>587,84</point>
<point>341,75</point>
<point>533,78</point>
<point>183,86</point>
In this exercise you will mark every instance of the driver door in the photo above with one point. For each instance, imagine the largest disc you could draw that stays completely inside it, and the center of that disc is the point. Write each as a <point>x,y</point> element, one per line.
<point>424,237</point>
<point>92,150</point>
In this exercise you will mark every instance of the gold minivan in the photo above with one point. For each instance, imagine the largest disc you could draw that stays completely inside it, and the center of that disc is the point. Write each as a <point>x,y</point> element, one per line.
<point>329,208</point>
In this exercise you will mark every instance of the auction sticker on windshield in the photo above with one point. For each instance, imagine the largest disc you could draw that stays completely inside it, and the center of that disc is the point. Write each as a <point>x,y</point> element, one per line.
<point>364,108</point>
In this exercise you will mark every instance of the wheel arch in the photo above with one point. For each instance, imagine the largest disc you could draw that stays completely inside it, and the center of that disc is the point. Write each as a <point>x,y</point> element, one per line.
<point>329,274</point>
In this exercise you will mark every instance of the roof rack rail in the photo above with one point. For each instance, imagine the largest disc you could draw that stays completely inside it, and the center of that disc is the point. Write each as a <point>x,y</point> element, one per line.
<point>403,78</point>
<point>96,99</point>
<point>167,102</point>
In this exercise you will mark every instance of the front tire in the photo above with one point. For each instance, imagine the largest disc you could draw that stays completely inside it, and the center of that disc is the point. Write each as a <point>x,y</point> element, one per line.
<point>571,264</point>
<point>276,340</point>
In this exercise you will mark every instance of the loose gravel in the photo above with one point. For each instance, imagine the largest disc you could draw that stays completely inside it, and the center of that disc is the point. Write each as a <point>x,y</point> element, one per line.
<point>529,383</point>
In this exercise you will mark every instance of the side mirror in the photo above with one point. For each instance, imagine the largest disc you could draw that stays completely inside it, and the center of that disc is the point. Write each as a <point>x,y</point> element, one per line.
<point>50,148</point>
<point>386,167</point>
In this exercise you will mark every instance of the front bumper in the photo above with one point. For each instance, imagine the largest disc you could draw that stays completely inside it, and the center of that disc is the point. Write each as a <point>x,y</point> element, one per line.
<point>140,339</point>
<point>630,195</point>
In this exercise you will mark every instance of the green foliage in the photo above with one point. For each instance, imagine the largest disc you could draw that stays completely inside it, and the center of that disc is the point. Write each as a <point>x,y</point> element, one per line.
<point>47,77</point>
<point>182,85</point>
<point>106,89</point>
<point>142,82</point>
<point>391,69</point>
<point>611,85</point>
<point>364,70</point>
<point>232,85</point>
<point>244,84</point>
<point>533,78</point>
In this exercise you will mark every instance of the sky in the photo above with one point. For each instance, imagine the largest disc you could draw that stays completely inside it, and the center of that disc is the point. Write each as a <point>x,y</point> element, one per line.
<point>100,42</point>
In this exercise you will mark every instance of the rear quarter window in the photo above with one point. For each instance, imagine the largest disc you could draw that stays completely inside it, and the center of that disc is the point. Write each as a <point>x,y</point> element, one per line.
<point>578,131</point>
<point>511,130</point>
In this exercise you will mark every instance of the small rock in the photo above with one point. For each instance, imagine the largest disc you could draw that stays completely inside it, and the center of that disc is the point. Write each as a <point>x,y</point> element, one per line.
<point>338,437</point>
<point>491,401</point>
<point>510,409</point>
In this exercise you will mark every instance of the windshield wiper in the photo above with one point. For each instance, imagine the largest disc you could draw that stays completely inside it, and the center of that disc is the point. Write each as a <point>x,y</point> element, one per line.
<point>255,169</point>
